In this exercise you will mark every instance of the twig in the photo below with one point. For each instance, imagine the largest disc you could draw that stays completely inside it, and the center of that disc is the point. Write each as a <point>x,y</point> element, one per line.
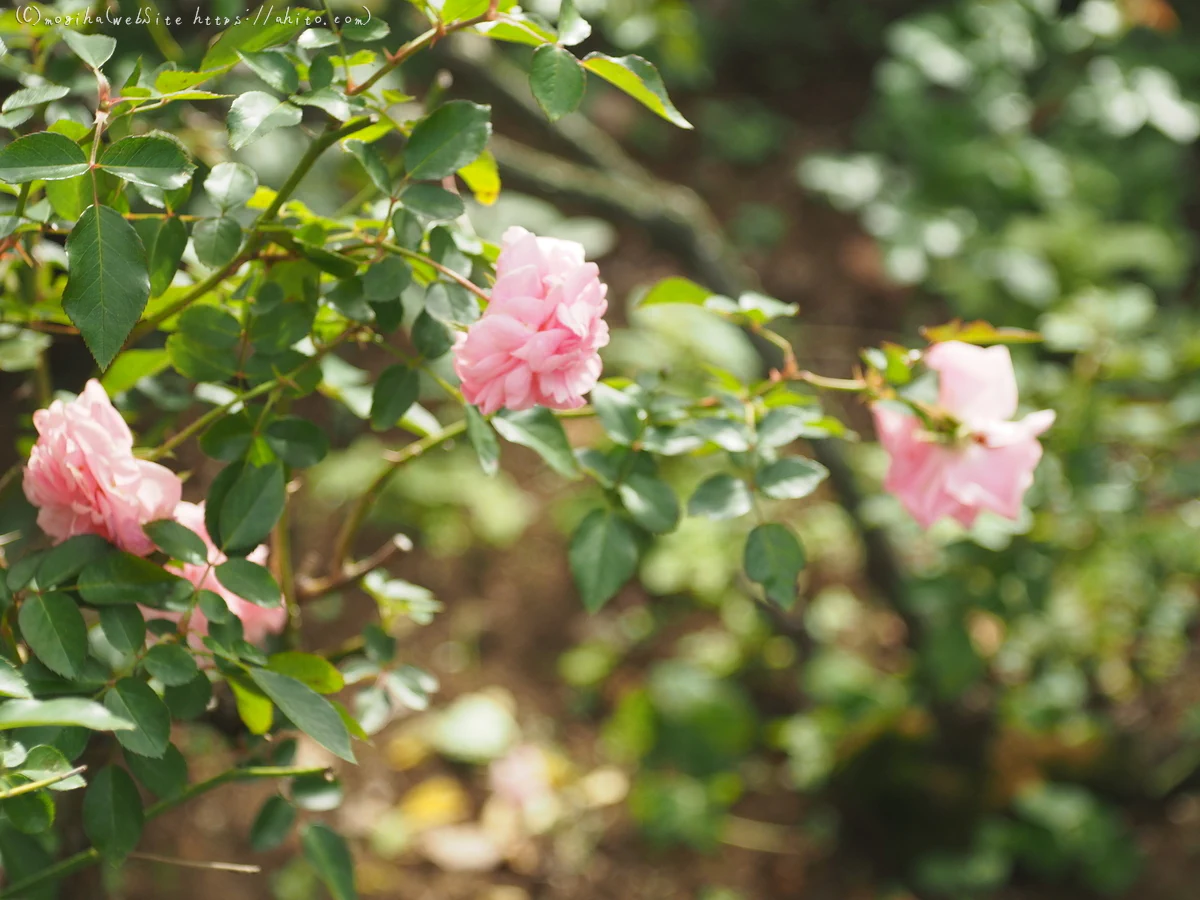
<point>312,588</point>
<point>422,40</point>
<point>44,783</point>
<point>362,506</point>
<point>236,868</point>
<point>432,263</point>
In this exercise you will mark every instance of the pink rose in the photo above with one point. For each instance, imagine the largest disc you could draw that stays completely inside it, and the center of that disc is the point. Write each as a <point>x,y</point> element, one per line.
<point>988,464</point>
<point>84,479</point>
<point>537,342</point>
<point>522,776</point>
<point>257,621</point>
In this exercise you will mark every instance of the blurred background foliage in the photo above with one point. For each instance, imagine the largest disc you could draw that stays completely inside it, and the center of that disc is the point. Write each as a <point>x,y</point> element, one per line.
<point>1010,712</point>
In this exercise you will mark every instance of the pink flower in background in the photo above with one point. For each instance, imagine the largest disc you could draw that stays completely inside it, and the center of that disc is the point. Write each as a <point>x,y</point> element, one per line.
<point>538,341</point>
<point>84,479</point>
<point>257,621</point>
<point>522,776</point>
<point>990,466</point>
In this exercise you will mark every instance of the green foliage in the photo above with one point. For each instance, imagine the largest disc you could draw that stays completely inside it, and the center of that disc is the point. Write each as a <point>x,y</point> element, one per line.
<point>270,325</point>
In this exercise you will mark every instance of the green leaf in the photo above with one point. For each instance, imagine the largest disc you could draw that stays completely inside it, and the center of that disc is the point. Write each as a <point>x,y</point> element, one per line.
<point>164,240</point>
<point>386,280</point>
<point>177,541</point>
<point>431,338</point>
<point>165,778</point>
<point>452,136</point>
<point>790,478</point>
<point>176,81</point>
<point>557,80</point>
<point>650,501</point>
<point>71,196</point>
<point>395,391</point>
<point>33,96</point>
<point>189,701</point>
<point>366,32</point>
<point>254,114</point>
<point>217,241</point>
<point>298,442</point>
<point>230,185</point>
<point>327,852</point>
<point>112,813</point>
<point>63,711</point>
<point>124,627</point>
<point>785,424</point>
<point>55,631</point>
<point>250,581</point>
<point>273,68</point>
<point>318,673</point>
<point>93,49</point>
<point>26,859</point>
<point>253,33</point>
<point>46,761</point>
<point>136,702</point>
<point>619,413</point>
<point>200,362</point>
<point>152,160</point>
<point>131,367</point>
<point>572,28</point>
<point>12,682</point>
<point>122,578</point>
<point>483,439</point>
<point>251,507</point>
<point>320,73</point>
<point>272,824</point>
<point>676,290</point>
<point>407,229</point>
<point>433,202</point>
<point>774,558</point>
<point>317,793</point>
<point>451,303</point>
<point>229,438</point>
<point>29,813</point>
<point>517,28</point>
<point>44,156</point>
<point>307,710</point>
<point>640,80</point>
<point>108,282</point>
<point>64,562</point>
<point>603,556</point>
<point>539,430</point>
<point>369,158</point>
<point>760,309</point>
<point>170,663</point>
<point>721,497</point>
<point>254,707</point>
<point>210,326</point>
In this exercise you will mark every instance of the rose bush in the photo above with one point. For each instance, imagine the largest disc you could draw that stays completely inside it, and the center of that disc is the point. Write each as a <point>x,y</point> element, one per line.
<point>219,323</point>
